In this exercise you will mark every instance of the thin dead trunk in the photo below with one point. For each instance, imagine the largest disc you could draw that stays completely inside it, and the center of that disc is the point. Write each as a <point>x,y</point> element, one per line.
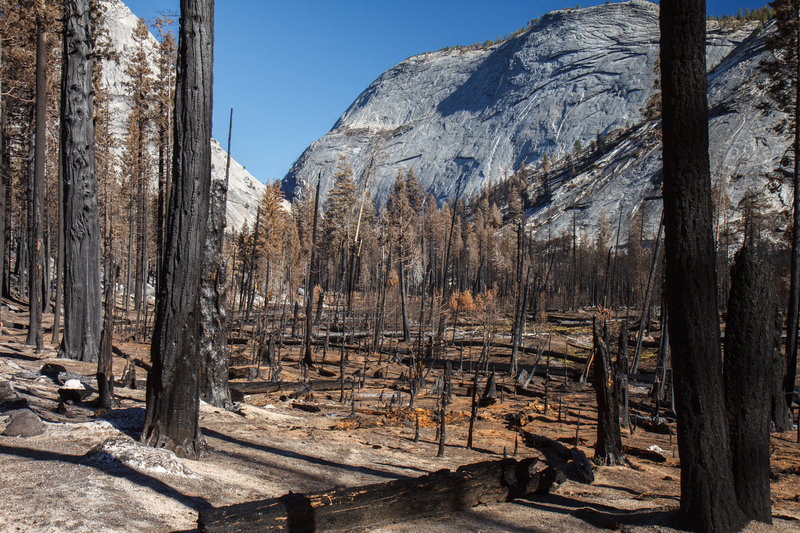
<point>59,250</point>
<point>213,341</point>
<point>36,193</point>
<point>404,298</point>
<point>608,449</point>
<point>311,279</point>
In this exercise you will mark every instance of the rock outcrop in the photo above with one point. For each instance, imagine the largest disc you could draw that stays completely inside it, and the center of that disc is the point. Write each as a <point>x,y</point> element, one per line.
<point>470,117</point>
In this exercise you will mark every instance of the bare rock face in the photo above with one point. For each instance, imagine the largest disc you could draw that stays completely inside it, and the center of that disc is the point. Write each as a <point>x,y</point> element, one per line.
<point>746,164</point>
<point>23,423</point>
<point>469,117</point>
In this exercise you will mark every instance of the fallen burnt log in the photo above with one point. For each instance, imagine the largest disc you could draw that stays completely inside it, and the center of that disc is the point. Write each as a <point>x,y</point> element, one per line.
<point>263,387</point>
<point>556,370</point>
<point>531,349</point>
<point>399,500</point>
<point>642,453</point>
<point>577,457</point>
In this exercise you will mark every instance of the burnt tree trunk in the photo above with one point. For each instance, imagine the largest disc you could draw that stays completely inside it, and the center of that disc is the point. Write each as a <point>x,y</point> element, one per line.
<point>105,369</point>
<point>214,343</point>
<point>780,416</point>
<point>608,449</point>
<point>311,279</point>
<point>793,312</point>
<point>519,307</point>
<point>445,399</point>
<point>82,304</point>
<point>36,193</point>
<point>404,296</point>
<point>662,361</point>
<point>59,252</point>
<point>3,186</point>
<point>621,377</point>
<point>749,342</point>
<point>249,293</point>
<point>173,383</point>
<point>707,489</point>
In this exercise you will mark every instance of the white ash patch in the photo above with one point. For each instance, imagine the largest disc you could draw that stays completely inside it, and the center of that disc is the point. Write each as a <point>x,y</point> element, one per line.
<point>74,384</point>
<point>124,451</point>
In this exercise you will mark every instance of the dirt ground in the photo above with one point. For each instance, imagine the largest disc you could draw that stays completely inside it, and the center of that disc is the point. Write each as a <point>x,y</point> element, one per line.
<point>87,473</point>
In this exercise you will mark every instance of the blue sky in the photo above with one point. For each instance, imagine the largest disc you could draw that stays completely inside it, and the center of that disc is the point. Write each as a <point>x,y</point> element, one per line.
<point>290,68</point>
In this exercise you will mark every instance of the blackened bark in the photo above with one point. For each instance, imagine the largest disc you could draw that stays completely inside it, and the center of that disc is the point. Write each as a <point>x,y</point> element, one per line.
<point>662,362</point>
<point>473,410</point>
<point>310,281</point>
<point>621,376</point>
<point>173,383</point>
<point>443,402</point>
<point>793,312</point>
<point>608,449</point>
<point>3,187</point>
<point>105,368</point>
<point>105,362</point>
<point>214,353</point>
<point>60,253</point>
<point>82,304</point>
<point>519,308</point>
<point>376,340</point>
<point>707,490</point>
<point>749,342</point>
<point>404,297</point>
<point>36,194</point>
<point>250,290</point>
<point>779,415</point>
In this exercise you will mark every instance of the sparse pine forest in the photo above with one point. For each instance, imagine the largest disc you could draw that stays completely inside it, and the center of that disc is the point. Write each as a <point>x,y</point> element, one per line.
<point>423,331</point>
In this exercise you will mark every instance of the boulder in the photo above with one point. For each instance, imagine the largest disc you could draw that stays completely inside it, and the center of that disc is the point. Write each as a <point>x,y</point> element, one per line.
<point>24,423</point>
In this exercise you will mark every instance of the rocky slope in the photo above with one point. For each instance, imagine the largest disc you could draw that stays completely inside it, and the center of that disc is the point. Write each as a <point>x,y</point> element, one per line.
<point>480,114</point>
<point>244,191</point>
<point>745,160</point>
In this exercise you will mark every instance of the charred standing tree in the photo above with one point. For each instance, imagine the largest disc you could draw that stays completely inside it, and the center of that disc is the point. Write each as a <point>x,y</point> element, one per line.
<point>82,303</point>
<point>608,449</point>
<point>310,281</point>
<point>36,191</point>
<point>3,187</point>
<point>621,376</point>
<point>60,256</point>
<point>783,89</point>
<point>708,499</point>
<point>173,399</point>
<point>749,343</point>
<point>519,307</point>
<point>105,368</point>
<point>214,343</point>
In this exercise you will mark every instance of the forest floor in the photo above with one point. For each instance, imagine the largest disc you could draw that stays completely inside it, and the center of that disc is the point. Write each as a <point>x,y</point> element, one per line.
<point>86,472</point>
